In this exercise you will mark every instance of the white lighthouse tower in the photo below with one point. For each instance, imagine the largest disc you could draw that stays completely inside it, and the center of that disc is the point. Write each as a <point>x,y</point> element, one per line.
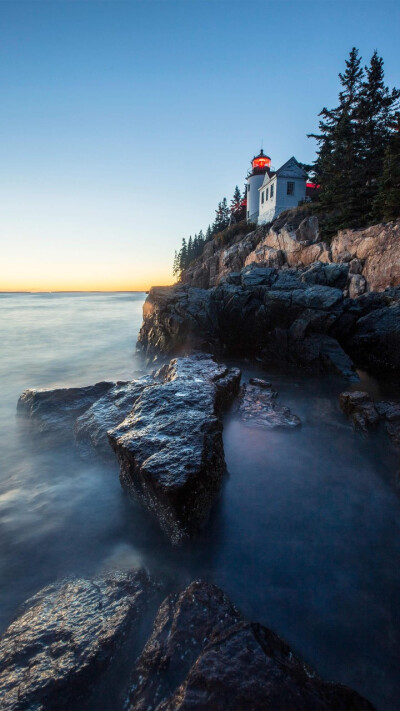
<point>259,166</point>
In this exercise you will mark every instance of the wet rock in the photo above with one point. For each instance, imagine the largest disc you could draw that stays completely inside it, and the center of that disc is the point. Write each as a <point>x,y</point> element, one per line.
<point>53,654</point>
<point>182,628</point>
<point>365,413</point>
<point>170,446</point>
<point>258,407</point>
<point>55,411</point>
<point>86,412</point>
<point>359,406</point>
<point>276,315</point>
<point>107,412</point>
<point>203,654</point>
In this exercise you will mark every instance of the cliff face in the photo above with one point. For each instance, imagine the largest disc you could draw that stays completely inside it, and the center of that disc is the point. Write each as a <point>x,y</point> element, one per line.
<point>373,254</point>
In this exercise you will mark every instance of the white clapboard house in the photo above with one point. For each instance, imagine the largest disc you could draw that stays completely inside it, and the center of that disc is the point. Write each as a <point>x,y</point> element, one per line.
<point>271,192</point>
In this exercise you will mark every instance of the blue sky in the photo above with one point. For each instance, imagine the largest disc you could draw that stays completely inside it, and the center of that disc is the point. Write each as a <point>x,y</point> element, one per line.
<point>123,123</point>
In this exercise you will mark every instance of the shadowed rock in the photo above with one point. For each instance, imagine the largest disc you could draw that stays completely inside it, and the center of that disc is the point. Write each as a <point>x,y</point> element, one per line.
<point>203,654</point>
<point>258,407</point>
<point>170,446</point>
<point>365,413</point>
<point>53,654</point>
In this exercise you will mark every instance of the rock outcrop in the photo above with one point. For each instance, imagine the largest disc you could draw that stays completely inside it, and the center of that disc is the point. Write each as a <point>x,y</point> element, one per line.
<point>202,654</point>
<point>282,316</point>
<point>365,413</point>
<point>258,406</point>
<point>170,445</point>
<point>371,255</point>
<point>54,653</point>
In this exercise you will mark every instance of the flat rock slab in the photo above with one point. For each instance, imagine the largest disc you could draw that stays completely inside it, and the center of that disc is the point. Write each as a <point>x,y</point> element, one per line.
<point>53,654</point>
<point>170,445</point>
<point>202,654</point>
<point>258,407</point>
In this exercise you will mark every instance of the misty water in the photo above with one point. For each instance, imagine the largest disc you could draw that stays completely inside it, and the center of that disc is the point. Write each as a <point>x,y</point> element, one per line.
<point>304,537</point>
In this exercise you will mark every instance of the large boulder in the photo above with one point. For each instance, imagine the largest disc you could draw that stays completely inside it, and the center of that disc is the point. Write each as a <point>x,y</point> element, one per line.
<point>107,412</point>
<point>202,654</point>
<point>170,445</point>
<point>86,413</point>
<point>55,411</point>
<point>376,248</point>
<point>55,652</point>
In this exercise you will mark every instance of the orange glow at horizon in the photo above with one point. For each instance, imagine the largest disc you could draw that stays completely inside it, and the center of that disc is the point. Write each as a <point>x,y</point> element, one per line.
<point>51,281</point>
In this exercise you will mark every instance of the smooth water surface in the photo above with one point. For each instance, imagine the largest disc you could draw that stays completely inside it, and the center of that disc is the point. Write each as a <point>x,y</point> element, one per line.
<point>305,535</point>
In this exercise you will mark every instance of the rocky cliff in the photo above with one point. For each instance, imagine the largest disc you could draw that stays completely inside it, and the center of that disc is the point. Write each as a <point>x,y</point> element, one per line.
<point>293,240</point>
<point>285,296</point>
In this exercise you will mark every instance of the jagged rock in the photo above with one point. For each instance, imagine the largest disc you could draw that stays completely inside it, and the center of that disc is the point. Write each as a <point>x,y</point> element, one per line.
<point>55,411</point>
<point>334,275</point>
<point>86,412</point>
<point>170,446</point>
<point>359,406</point>
<point>365,413</point>
<point>53,654</point>
<point>258,407</point>
<point>377,248</point>
<point>107,412</point>
<point>357,285</point>
<point>278,316</point>
<point>203,654</point>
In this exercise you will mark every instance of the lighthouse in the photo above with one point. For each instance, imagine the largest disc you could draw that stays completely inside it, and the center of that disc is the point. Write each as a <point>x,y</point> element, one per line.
<point>260,165</point>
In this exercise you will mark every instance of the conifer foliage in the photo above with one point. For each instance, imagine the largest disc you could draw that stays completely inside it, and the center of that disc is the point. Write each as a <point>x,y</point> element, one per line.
<point>224,216</point>
<point>355,140</point>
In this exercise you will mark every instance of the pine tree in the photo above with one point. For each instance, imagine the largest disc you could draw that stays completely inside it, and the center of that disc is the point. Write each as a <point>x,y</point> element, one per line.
<point>190,250</point>
<point>387,202</point>
<point>377,116</point>
<point>339,155</point>
<point>183,256</point>
<point>175,266</point>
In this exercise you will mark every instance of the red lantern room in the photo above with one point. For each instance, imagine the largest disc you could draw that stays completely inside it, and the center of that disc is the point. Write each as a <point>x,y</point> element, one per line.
<point>261,162</point>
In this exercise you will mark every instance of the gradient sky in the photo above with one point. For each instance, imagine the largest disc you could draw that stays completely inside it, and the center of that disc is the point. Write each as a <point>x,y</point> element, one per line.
<point>123,123</point>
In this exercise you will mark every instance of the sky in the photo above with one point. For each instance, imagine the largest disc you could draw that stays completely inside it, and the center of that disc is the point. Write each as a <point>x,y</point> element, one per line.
<point>124,122</point>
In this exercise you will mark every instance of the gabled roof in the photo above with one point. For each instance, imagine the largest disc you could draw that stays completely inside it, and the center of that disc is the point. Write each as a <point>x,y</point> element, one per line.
<point>292,164</point>
<point>291,169</point>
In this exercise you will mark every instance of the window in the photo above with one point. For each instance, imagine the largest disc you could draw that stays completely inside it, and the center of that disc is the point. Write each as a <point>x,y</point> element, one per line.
<point>262,197</point>
<point>272,191</point>
<point>248,214</point>
<point>290,189</point>
<point>248,187</point>
<point>266,194</point>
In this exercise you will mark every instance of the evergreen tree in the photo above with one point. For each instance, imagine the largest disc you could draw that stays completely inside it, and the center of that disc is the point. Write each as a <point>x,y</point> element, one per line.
<point>387,202</point>
<point>221,216</point>
<point>183,256</point>
<point>377,117</point>
<point>209,233</point>
<point>338,163</point>
<point>189,250</point>
<point>175,266</point>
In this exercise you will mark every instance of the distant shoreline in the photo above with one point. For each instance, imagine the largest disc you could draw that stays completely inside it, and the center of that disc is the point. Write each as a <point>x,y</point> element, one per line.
<point>117,291</point>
